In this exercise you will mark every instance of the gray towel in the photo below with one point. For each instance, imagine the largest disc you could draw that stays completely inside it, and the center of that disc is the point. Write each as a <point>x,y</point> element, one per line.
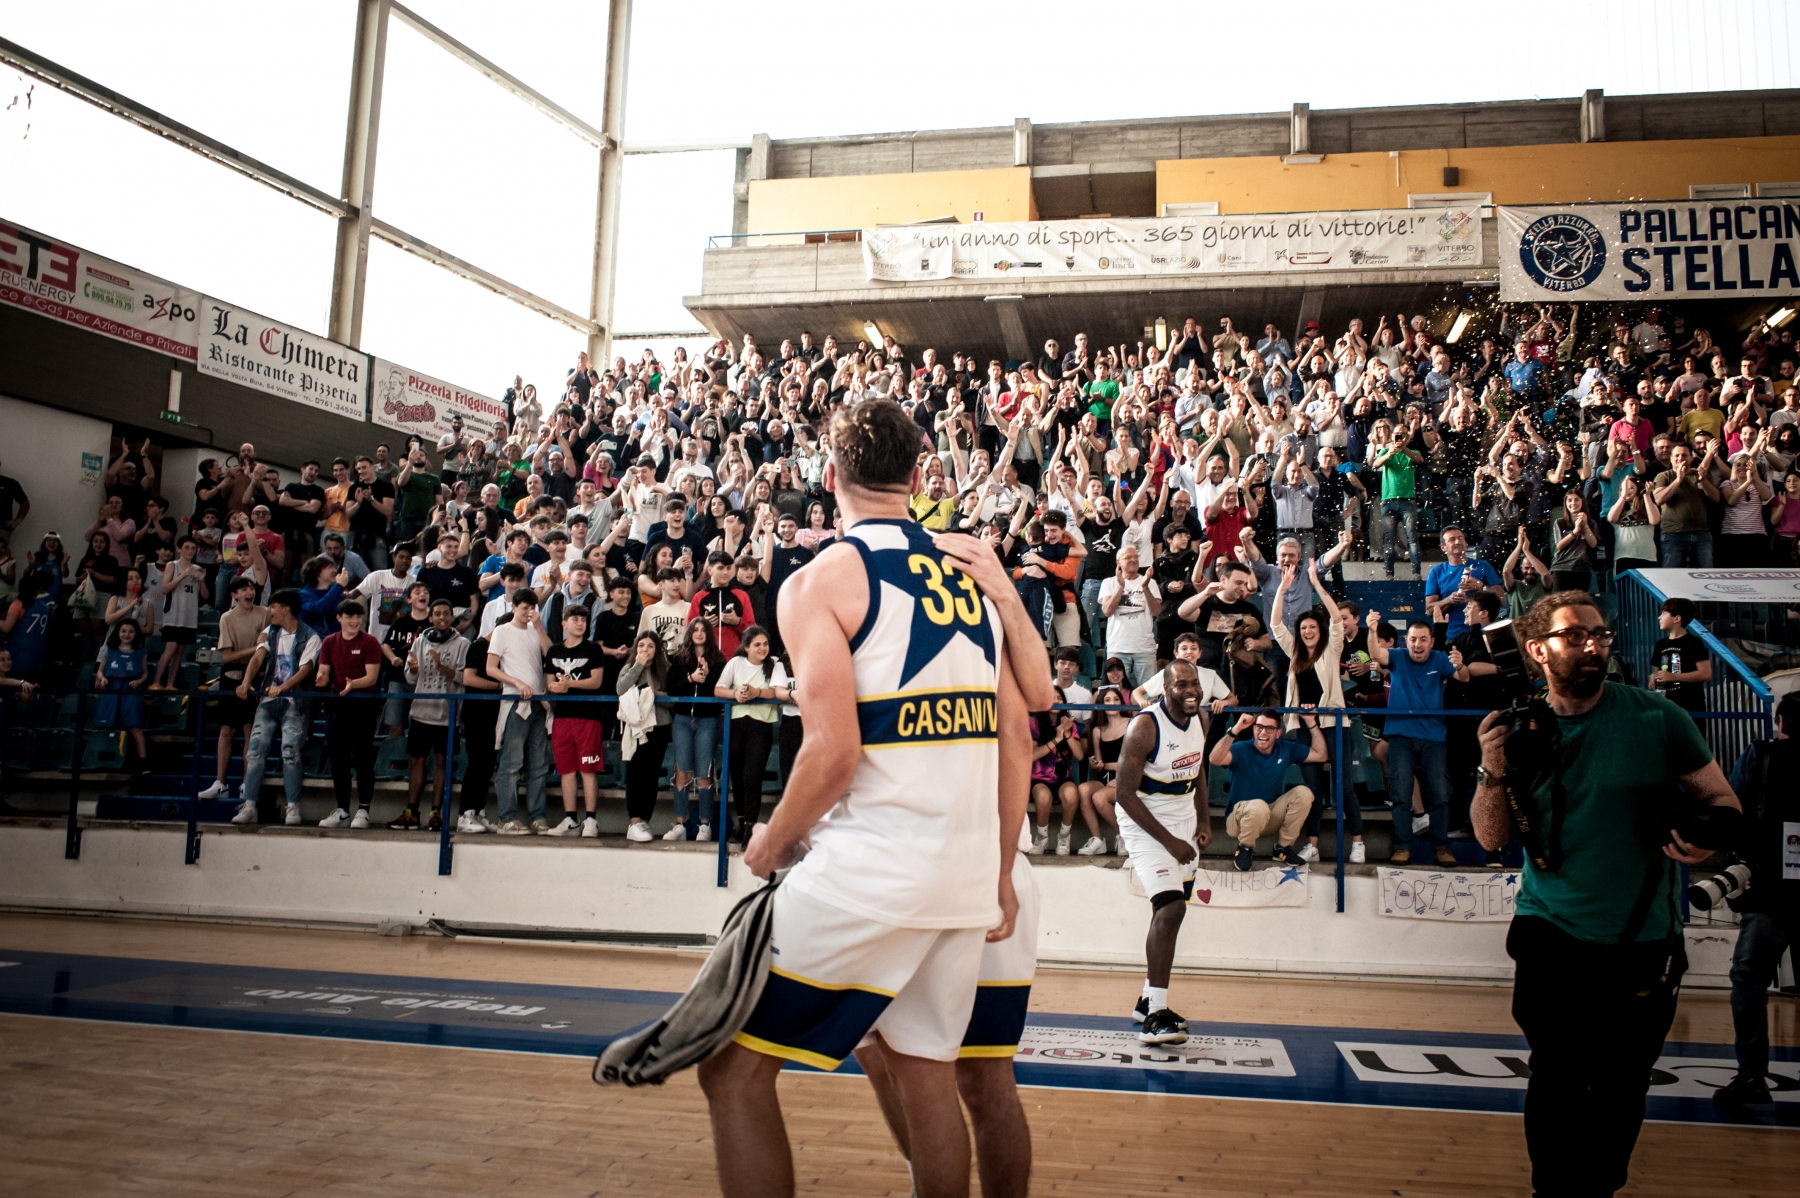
<point>714,1009</point>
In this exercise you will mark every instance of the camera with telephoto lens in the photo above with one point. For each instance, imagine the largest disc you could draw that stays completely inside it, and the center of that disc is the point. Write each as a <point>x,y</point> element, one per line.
<point>1730,883</point>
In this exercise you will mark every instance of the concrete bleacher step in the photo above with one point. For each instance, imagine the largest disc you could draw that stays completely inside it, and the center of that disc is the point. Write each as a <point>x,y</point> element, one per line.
<point>152,807</point>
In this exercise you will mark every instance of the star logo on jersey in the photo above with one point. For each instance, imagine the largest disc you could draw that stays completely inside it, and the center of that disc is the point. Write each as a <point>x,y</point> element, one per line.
<point>946,604</point>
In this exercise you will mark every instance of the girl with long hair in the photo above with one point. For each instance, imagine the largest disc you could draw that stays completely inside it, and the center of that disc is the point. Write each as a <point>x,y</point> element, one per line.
<point>694,670</point>
<point>122,677</point>
<point>1634,518</point>
<point>647,667</point>
<point>1315,649</point>
<point>754,674</point>
<point>1055,741</point>
<point>1104,741</point>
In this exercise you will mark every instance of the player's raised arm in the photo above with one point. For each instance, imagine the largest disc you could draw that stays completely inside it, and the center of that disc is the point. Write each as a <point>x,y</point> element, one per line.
<point>1025,650</point>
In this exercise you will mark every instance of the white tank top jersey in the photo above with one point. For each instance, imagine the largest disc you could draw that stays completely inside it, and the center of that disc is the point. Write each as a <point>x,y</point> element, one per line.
<point>913,842</point>
<point>1173,769</point>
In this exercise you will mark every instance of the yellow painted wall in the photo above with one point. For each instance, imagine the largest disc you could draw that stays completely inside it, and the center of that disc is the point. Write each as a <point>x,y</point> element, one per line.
<point>864,201</point>
<point>1514,174</point>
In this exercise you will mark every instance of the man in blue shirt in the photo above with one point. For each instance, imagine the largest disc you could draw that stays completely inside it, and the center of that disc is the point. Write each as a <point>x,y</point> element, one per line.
<point>1258,770</point>
<point>1416,745</point>
<point>1448,585</point>
<point>1526,374</point>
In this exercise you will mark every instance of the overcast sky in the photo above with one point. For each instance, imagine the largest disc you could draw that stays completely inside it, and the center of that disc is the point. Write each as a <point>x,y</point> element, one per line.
<point>470,168</point>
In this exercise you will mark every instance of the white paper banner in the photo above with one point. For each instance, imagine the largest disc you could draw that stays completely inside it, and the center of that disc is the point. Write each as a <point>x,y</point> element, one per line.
<point>1096,1048</point>
<point>1405,238</point>
<point>255,351</point>
<point>58,280</point>
<point>1453,898</point>
<point>1727,586</point>
<point>1279,886</point>
<point>411,402</point>
<point>1653,251</point>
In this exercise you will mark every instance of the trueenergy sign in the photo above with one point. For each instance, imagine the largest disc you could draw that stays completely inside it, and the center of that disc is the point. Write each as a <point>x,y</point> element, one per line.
<point>1408,239</point>
<point>1650,250</point>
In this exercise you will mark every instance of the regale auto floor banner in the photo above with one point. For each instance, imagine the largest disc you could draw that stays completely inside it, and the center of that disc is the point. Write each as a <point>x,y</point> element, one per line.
<point>1299,242</point>
<point>1654,250</point>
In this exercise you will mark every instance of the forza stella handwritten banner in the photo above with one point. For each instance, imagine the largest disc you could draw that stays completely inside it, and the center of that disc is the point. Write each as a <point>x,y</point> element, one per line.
<point>1660,249</point>
<point>1405,238</point>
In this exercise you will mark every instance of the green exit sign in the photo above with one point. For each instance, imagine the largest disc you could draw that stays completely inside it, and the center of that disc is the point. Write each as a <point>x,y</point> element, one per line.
<point>173,417</point>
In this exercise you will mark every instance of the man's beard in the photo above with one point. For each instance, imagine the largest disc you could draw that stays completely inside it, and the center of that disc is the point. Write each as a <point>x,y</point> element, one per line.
<point>1576,675</point>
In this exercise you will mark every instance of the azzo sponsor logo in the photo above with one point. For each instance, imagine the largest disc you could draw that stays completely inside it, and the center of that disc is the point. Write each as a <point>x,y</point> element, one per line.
<point>1562,252</point>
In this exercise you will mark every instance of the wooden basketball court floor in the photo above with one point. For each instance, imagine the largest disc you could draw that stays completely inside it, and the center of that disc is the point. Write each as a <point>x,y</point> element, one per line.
<point>111,1105</point>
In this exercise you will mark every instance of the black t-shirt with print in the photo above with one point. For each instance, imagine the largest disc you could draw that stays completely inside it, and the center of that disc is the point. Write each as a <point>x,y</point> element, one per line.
<point>580,662</point>
<point>1218,619</point>
<point>1682,656</point>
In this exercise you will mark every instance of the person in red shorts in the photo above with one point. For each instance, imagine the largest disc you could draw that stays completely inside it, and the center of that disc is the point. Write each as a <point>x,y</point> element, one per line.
<point>576,667</point>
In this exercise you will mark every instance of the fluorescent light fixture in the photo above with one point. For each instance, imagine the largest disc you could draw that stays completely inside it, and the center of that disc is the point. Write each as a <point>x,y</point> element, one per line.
<point>1780,317</point>
<point>1456,330</point>
<point>873,332</point>
<point>1000,299</point>
<point>1162,333</point>
<point>1302,159</point>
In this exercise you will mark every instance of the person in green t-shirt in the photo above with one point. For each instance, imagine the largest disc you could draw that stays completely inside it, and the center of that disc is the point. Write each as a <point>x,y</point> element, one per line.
<point>1596,936</point>
<point>1395,459</point>
<point>418,492</point>
<point>1103,392</point>
<point>1523,575</point>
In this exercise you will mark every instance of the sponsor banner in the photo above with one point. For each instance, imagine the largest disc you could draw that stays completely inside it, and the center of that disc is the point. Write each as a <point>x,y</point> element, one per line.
<point>1456,898</point>
<point>1510,1069</point>
<point>52,278</point>
<point>1656,250</point>
<point>254,351</point>
<point>1406,238</point>
<point>1727,586</point>
<point>1100,1048</point>
<point>411,402</point>
<point>1279,886</point>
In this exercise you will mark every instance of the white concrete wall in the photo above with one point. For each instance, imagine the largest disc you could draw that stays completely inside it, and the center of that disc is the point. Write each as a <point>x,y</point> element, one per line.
<point>60,459</point>
<point>1088,917</point>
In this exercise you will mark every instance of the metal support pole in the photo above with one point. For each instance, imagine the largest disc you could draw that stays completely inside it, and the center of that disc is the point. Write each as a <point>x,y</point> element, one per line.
<point>723,827</point>
<point>72,841</point>
<point>444,806</point>
<point>351,270</point>
<point>612,163</point>
<point>1337,787</point>
<point>192,855</point>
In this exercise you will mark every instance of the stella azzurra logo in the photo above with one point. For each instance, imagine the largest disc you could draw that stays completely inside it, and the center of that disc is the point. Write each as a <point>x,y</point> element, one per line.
<point>1562,252</point>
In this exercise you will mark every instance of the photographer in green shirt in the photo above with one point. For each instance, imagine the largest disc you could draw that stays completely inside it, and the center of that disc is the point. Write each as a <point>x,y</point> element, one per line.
<point>1596,938</point>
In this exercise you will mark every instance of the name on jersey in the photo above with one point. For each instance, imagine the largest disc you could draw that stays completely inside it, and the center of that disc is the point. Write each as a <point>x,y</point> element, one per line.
<point>927,717</point>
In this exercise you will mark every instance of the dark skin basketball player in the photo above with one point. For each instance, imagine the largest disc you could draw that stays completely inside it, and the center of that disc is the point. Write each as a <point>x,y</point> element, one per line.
<point>1182,695</point>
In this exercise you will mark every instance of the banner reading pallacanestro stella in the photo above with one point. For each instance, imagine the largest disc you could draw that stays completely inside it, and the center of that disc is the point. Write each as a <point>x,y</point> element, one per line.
<point>1407,239</point>
<point>1653,250</point>
<point>68,284</point>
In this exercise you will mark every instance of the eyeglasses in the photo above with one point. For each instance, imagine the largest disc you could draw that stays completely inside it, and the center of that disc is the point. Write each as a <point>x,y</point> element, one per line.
<point>1265,728</point>
<point>1581,638</point>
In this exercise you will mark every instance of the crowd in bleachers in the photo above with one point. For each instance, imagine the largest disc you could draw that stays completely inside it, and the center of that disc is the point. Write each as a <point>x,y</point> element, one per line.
<point>630,536</point>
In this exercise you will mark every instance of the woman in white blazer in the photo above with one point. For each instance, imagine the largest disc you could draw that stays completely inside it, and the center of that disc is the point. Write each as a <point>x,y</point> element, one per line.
<point>1314,647</point>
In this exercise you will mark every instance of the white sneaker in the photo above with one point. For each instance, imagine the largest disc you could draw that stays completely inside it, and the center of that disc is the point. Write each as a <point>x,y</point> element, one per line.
<point>590,828</point>
<point>1037,845</point>
<point>360,820</point>
<point>293,815</point>
<point>705,832</point>
<point>1421,823</point>
<point>213,791</point>
<point>1310,853</point>
<point>1358,853</point>
<point>678,832</point>
<point>1062,844</point>
<point>246,813</point>
<point>638,832</point>
<point>487,825</point>
<point>470,823</point>
<point>515,827</point>
<point>568,827</point>
<point>1095,845</point>
<point>338,819</point>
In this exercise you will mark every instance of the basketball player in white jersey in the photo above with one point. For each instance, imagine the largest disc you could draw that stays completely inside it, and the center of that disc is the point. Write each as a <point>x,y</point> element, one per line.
<point>908,697</point>
<point>984,1063</point>
<point>1161,804</point>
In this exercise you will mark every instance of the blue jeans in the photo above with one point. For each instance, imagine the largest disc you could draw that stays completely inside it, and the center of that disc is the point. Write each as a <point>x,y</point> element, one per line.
<point>289,719</point>
<point>1396,513</point>
<point>524,745</point>
<point>1762,938</point>
<point>1090,608</point>
<point>1427,761</point>
<point>1138,666</point>
<point>1687,550</point>
<point>696,744</point>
